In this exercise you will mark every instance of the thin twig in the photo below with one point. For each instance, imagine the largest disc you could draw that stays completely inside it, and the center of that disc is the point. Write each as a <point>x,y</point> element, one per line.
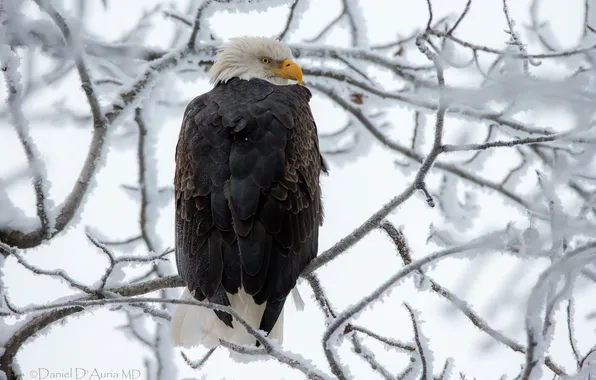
<point>570,332</point>
<point>196,26</point>
<point>384,340</point>
<point>57,273</point>
<point>430,17</point>
<point>404,251</point>
<point>575,258</point>
<point>460,18</point>
<point>376,219</point>
<point>486,49</point>
<point>289,20</point>
<point>370,359</point>
<point>342,318</point>
<point>199,363</point>
<point>427,369</point>
<point>515,39</point>
<point>141,156</point>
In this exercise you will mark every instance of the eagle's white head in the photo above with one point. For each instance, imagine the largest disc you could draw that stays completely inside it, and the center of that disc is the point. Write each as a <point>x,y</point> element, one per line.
<point>255,57</point>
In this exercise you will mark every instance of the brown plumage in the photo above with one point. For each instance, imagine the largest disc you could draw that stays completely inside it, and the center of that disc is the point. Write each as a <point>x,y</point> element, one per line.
<point>247,194</point>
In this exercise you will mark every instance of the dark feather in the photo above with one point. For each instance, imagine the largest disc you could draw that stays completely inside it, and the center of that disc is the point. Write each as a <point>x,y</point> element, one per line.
<point>270,315</point>
<point>248,199</point>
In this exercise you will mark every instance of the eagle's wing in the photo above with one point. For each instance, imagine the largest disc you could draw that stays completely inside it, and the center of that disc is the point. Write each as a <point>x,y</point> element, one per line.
<point>248,200</point>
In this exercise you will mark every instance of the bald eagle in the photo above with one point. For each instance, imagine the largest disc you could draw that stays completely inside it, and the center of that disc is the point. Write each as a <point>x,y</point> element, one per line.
<point>247,194</point>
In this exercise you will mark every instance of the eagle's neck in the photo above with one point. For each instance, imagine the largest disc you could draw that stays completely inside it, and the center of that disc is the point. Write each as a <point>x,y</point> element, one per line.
<point>222,73</point>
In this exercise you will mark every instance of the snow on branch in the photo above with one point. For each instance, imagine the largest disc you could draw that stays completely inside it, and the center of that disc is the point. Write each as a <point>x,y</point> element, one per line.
<point>539,331</point>
<point>71,206</point>
<point>269,347</point>
<point>423,349</point>
<point>10,67</point>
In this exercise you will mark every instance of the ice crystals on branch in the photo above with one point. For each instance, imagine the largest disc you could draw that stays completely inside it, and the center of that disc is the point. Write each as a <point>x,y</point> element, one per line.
<point>425,354</point>
<point>10,64</point>
<point>461,215</point>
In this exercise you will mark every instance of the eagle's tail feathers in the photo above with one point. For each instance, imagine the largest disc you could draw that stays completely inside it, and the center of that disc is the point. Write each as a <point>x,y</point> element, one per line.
<point>221,298</point>
<point>270,315</point>
<point>298,301</point>
<point>194,325</point>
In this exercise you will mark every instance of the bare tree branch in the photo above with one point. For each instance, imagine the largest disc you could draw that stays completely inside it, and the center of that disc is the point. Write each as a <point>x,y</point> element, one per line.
<point>198,364</point>
<point>96,149</point>
<point>36,165</point>
<point>404,251</point>
<point>289,21</point>
<point>427,369</point>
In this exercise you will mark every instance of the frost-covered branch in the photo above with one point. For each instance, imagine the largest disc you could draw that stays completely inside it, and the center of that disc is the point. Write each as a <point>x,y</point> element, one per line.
<point>59,274</point>
<point>389,342</point>
<point>127,99</point>
<point>404,251</point>
<point>515,39</point>
<point>196,25</point>
<point>145,188</point>
<point>421,343</point>
<point>292,14</point>
<point>571,333</point>
<point>369,357</point>
<point>199,363</point>
<point>332,330</point>
<point>418,184</point>
<point>149,194</point>
<point>504,53</point>
<point>269,347</point>
<point>12,78</point>
<point>358,346</point>
<point>39,322</point>
<point>539,333</point>
<point>512,143</point>
<point>115,262</point>
<point>457,170</point>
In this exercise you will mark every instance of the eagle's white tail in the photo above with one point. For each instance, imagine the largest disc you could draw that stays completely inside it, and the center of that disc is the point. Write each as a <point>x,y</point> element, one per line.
<point>194,325</point>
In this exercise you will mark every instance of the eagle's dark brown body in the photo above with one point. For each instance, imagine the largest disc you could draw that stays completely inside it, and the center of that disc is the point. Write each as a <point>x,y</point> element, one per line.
<point>247,193</point>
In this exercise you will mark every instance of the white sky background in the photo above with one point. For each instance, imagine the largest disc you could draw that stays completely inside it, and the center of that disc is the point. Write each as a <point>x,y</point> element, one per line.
<point>352,192</point>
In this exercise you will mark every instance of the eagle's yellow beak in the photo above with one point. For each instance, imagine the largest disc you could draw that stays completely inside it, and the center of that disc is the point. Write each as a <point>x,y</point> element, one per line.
<point>290,70</point>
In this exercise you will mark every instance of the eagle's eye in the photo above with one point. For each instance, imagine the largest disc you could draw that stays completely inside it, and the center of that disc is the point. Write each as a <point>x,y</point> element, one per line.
<point>266,60</point>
